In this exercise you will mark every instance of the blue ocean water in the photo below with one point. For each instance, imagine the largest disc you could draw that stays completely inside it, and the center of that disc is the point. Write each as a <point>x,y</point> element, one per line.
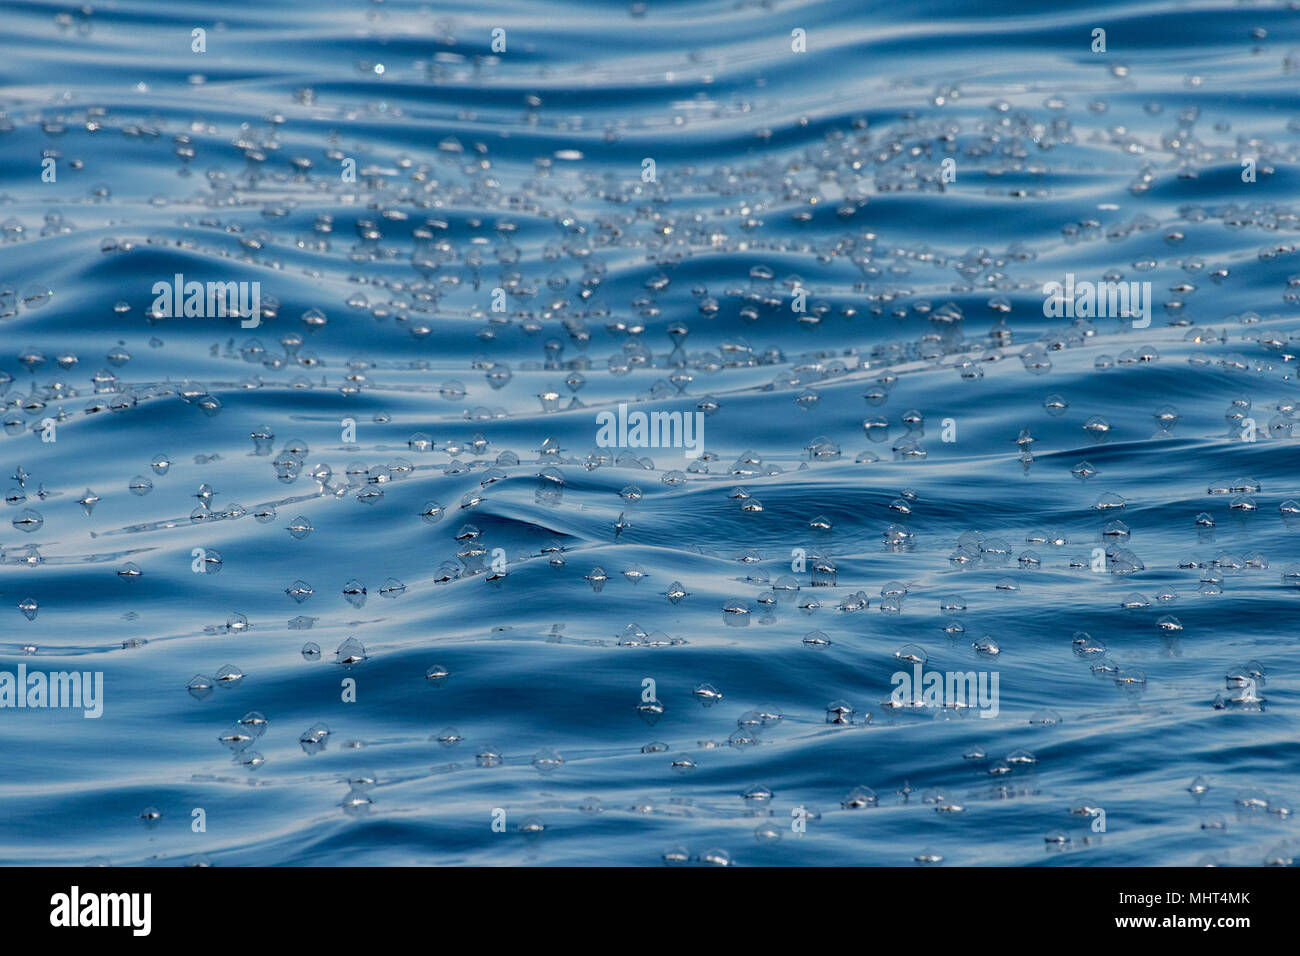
<point>532,648</point>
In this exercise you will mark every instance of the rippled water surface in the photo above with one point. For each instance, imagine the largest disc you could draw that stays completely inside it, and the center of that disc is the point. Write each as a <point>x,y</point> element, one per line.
<point>470,243</point>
